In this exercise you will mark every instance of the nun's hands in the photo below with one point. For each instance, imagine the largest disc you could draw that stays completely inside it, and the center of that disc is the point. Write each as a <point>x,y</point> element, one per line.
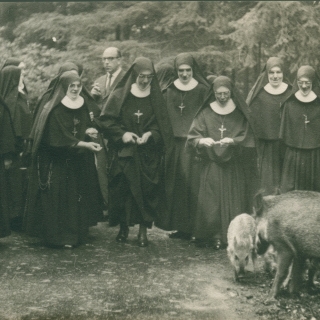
<point>92,146</point>
<point>130,137</point>
<point>206,142</point>
<point>95,147</point>
<point>226,141</point>
<point>7,164</point>
<point>144,138</point>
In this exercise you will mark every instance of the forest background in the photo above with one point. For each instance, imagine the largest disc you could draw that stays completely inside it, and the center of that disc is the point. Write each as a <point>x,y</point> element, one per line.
<point>233,38</point>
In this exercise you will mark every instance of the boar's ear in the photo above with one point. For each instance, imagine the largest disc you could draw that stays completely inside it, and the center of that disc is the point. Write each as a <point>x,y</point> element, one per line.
<point>254,213</point>
<point>235,241</point>
<point>258,204</point>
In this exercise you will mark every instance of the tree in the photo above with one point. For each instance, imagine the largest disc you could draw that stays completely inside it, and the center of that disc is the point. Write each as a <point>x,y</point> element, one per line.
<point>47,34</point>
<point>287,29</point>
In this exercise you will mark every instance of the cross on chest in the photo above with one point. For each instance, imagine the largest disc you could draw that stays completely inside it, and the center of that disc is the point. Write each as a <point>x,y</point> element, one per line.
<point>138,114</point>
<point>182,106</point>
<point>75,123</point>
<point>222,129</point>
<point>306,121</point>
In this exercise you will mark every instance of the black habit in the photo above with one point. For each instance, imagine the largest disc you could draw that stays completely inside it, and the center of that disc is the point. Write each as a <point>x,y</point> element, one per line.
<point>182,167</point>
<point>64,199</point>
<point>223,191</point>
<point>266,109</point>
<point>135,169</point>
<point>7,150</point>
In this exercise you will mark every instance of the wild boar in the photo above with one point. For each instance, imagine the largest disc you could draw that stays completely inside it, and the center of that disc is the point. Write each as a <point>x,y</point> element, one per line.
<point>292,225</point>
<point>241,243</point>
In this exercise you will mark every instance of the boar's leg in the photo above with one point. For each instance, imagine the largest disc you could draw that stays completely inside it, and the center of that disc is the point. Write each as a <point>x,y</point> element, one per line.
<point>296,274</point>
<point>236,277</point>
<point>253,258</point>
<point>313,268</point>
<point>284,261</point>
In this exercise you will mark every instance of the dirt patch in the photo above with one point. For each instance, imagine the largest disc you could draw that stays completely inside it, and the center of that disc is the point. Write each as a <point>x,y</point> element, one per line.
<point>170,279</point>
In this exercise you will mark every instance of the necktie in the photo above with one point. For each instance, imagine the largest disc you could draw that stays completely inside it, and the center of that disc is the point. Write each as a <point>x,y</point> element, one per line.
<point>109,83</point>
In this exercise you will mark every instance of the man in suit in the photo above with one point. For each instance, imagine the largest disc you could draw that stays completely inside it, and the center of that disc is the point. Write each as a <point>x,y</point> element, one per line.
<point>101,90</point>
<point>102,87</point>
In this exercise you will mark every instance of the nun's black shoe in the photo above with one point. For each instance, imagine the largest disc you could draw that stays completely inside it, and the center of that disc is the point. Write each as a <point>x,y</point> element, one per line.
<point>218,245</point>
<point>123,234</point>
<point>16,224</point>
<point>68,246</point>
<point>142,240</point>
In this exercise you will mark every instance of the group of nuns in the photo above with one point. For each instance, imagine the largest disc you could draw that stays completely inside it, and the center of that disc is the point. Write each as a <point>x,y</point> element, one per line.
<point>48,173</point>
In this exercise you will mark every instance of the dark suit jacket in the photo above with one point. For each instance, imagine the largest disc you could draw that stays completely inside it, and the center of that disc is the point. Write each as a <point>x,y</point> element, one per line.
<point>102,83</point>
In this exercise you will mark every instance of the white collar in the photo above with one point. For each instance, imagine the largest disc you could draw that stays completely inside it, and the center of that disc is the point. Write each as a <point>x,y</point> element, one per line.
<point>310,97</point>
<point>228,108</point>
<point>275,91</point>
<point>72,104</point>
<point>185,87</point>
<point>114,75</point>
<point>21,87</point>
<point>137,92</point>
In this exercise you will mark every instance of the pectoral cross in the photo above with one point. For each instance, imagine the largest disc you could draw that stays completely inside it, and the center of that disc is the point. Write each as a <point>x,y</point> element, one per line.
<point>221,130</point>
<point>138,114</point>
<point>306,121</point>
<point>75,122</point>
<point>181,107</point>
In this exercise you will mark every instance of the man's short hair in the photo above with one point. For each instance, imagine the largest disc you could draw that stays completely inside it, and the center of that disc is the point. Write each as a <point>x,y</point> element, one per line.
<point>119,53</point>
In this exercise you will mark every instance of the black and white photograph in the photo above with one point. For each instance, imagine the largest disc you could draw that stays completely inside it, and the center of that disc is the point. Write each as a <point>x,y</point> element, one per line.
<point>160,160</point>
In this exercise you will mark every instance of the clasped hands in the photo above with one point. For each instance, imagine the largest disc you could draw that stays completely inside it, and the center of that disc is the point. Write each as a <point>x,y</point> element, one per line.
<point>7,163</point>
<point>209,142</point>
<point>130,137</point>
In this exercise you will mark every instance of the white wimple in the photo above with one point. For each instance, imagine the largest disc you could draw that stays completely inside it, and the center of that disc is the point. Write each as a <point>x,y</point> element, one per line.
<point>186,87</point>
<point>228,108</point>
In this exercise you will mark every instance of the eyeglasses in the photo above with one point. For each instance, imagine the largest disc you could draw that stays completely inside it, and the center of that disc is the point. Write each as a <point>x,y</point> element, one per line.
<point>220,94</point>
<point>187,70</point>
<point>308,83</point>
<point>110,59</point>
<point>146,76</point>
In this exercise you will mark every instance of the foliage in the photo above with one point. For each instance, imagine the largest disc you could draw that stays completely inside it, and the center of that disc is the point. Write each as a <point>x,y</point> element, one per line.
<point>223,35</point>
<point>288,29</point>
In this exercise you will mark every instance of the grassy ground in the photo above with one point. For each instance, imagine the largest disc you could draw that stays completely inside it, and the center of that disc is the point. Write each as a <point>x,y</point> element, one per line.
<point>170,279</point>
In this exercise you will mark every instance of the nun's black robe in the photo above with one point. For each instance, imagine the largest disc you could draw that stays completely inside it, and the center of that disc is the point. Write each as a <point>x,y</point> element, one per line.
<point>301,134</point>
<point>222,192</point>
<point>17,102</point>
<point>7,149</point>
<point>64,198</point>
<point>135,170</point>
<point>183,169</point>
<point>266,118</point>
